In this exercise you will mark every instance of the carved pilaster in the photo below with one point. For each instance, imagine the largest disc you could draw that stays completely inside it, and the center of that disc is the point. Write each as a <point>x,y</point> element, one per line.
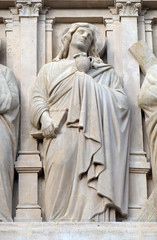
<point>109,24</point>
<point>109,38</point>
<point>129,12</point>
<point>116,38</point>
<point>28,163</point>
<point>141,25</point>
<point>149,32</point>
<point>128,8</point>
<point>29,8</point>
<point>9,41</point>
<point>148,25</point>
<point>42,38</point>
<point>15,43</point>
<point>49,31</point>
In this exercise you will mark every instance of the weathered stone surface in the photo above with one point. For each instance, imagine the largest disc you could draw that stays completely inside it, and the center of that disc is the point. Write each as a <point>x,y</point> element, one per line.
<point>78,231</point>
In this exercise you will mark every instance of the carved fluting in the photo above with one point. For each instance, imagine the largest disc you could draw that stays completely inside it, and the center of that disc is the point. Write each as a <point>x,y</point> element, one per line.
<point>128,8</point>
<point>29,9</point>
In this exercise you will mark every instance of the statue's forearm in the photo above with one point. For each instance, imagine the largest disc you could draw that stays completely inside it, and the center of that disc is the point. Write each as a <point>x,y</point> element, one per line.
<point>144,55</point>
<point>45,115</point>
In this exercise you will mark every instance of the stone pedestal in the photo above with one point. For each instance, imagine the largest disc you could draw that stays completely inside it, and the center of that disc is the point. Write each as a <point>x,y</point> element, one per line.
<point>28,166</point>
<point>78,231</point>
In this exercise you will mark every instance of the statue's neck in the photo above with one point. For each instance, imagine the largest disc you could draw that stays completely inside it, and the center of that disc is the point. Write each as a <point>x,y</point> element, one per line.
<point>72,51</point>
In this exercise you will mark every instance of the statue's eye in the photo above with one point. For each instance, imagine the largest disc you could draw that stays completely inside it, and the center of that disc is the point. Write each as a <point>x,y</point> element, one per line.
<point>89,36</point>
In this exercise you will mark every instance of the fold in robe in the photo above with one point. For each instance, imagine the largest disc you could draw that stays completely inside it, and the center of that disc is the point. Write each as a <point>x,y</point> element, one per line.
<point>86,166</point>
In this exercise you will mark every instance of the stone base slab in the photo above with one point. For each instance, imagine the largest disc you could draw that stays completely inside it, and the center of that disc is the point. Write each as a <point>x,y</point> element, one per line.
<point>78,231</point>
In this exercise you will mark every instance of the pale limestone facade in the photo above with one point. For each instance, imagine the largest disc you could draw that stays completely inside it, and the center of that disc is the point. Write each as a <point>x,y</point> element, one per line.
<point>30,36</point>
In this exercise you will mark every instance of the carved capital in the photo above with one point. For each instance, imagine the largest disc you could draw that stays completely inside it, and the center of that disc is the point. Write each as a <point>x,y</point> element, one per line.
<point>113,11</point>
<point>148,25</point>
<point>49,25</point>
<point>28,8</point>
<point>128,9</point>
<point>9,24</point>
<point>109,24</point>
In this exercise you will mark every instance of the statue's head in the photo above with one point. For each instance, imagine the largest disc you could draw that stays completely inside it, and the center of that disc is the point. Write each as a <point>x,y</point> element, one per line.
<point>80,34</point>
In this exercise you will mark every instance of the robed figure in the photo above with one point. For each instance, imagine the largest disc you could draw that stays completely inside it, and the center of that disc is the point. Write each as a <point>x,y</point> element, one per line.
<point>82,110</point>
<point>9,124</point>
<point>147,101</point>
<point>147,98</point>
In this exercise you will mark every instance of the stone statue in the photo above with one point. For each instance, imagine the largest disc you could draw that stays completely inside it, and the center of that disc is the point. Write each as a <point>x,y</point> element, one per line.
<point>148,96</point>
<point>9,123</point>
<point>82,110</point>
<point>148,103</point>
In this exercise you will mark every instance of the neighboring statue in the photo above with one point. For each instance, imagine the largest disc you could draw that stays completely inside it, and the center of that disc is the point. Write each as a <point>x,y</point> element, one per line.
<point>82,110</point>
<point>148,96</point>
<point>9,113</point>
<point>148,102</point>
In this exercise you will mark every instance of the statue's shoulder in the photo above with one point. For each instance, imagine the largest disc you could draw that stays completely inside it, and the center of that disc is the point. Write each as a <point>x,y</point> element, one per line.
<point>7,72</point>
<point>4,68</point>
<point>48,66</point>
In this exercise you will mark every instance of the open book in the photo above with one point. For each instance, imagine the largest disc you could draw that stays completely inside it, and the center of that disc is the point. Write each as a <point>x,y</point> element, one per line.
<point>59,116</point>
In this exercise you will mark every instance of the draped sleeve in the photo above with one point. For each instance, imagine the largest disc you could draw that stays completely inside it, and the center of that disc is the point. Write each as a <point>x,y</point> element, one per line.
<point>148,93</point>
<point>5,94</point>
<point>39,102</point>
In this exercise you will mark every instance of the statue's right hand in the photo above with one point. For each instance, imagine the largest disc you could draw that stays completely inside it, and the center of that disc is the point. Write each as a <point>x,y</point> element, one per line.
<point>48,126</point>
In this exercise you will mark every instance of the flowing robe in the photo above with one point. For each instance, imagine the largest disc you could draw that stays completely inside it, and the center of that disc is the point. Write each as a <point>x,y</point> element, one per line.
<point>9,109</point>
<point>86,165</point>
<point>148,103</point>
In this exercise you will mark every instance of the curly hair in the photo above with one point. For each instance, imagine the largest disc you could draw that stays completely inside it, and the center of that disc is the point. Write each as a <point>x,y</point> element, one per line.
<point>63,53</point>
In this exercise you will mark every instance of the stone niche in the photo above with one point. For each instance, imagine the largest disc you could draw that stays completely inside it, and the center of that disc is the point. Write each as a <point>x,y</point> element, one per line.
<point>30,34</point>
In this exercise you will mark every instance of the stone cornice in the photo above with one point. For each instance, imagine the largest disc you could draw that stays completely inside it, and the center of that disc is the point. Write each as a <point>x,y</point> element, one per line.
<point>4,4</point>
<point>62,4</point>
